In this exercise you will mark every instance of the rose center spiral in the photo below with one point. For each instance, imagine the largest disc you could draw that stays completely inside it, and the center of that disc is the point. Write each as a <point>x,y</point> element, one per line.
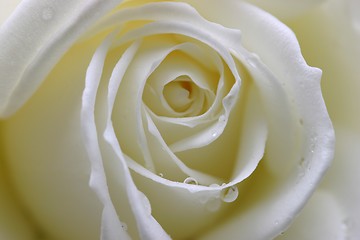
<point>179,94</point>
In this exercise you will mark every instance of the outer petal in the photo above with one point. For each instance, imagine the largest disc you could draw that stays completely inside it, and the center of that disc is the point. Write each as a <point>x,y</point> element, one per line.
<point>51,172</point>
<point>322,218</point>
<point>342,180</point>
<point>334,209</point>
<point>50,28</point>
<point>329,37</point>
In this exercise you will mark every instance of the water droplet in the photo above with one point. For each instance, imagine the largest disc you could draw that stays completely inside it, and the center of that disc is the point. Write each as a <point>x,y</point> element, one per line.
<point>222,118</point>
<point>213,204</point>
<point>214,134</point>
<point>313,143</point>
<point>161,175</point>
<point>276,222</point>
<point>191,180</point>
<point>146,203</point>
<point>47,14</point>
<point>124,226</point>
<point>230,194</point>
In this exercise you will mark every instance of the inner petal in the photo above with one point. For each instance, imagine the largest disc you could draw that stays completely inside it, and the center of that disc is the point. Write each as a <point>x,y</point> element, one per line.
<point>181,87</point>
<point>179,94</point>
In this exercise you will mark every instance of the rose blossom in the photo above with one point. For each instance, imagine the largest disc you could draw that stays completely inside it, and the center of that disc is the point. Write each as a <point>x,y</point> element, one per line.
<point>181,117</point>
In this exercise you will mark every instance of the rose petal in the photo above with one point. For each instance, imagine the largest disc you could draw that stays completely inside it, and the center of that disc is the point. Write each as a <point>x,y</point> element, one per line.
<point>322,218</point>
<point>160,12</point>
<point>337,53</point>
<point>342,179</point>
<point>253,136</point>
<point>172,68</point>
<point>147,59</point>
<point>111,226</point>
<point>50,28</point>
<point>212,133</point>
<point>164,155</point>
<point>333,211</point>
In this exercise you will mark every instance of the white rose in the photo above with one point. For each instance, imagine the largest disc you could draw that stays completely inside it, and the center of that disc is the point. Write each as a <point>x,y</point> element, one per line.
<point>184,116</point>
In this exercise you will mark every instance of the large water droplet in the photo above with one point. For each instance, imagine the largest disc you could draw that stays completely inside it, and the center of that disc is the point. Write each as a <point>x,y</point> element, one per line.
<point>146,203</point>
<point>191,180</point>
<point>161,175</point>
<point>230,194</point>
<point>47,14</point>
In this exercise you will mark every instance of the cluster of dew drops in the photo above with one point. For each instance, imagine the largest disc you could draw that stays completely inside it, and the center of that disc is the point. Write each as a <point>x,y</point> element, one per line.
<point>227,195</point>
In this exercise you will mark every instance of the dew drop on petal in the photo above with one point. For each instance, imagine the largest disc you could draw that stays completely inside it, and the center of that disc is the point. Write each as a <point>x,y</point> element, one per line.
<point>124,226</point>
<point>222,118</point>
<point>313,143</point>
<point>214,134</point>
<point>191,180</point>
<point>161,175</point>
<point>230,194</point>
